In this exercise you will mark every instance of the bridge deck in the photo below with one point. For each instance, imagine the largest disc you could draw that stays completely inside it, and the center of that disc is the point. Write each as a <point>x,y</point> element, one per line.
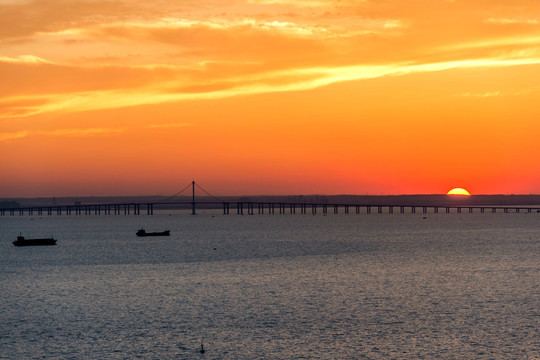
<point>250,208</point>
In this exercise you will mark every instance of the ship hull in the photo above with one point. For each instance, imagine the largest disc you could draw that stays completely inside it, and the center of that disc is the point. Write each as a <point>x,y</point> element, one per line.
<point>34,242</point>
<point>143,233</point>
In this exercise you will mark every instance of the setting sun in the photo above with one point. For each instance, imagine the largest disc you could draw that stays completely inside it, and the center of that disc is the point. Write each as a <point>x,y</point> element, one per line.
<point>458,191</point>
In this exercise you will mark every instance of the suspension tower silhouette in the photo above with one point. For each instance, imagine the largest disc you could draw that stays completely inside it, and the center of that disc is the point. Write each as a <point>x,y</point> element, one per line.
<point>193,198</point>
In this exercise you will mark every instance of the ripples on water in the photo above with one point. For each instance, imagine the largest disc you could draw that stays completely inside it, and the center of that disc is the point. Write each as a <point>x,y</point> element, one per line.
<point>451,286</point>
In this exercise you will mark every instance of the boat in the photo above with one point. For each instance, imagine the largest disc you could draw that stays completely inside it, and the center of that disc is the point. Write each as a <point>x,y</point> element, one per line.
<point>143,232</point>
<point>21,241</point>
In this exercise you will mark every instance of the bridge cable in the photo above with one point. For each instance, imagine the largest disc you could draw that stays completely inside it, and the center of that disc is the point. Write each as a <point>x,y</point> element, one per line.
<point>207,193</point>
<point>176,194</point>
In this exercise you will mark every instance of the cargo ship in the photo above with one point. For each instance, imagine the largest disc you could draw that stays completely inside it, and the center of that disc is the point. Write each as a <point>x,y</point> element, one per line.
<point>143,232</point>
<point>21,241</point>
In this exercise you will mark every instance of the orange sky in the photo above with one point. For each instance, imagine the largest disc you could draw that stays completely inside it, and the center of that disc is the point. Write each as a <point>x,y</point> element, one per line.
<point>269,97</point>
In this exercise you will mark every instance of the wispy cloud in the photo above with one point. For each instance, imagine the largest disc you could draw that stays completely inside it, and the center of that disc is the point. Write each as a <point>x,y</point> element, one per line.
<point>299,79</point>
<point>509,21</point>
<point>82,132</point>
<point>308,3</point>
<point>169,125</point>
<point>23,59</point>
<point>60,133</point>
<point>13,135</point>
<point>483,95</point>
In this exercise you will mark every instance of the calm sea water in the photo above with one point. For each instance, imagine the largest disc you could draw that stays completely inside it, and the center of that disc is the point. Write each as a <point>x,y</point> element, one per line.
<point>379,286</point>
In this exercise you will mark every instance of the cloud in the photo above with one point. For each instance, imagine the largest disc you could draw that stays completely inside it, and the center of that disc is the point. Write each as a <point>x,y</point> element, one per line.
<point>169,125</point>
<point>483,95</point>
<point>299,79</point>
<point>82,132</point>
<point>22,19</point>
<point>45,78</point>
<point>308,3</point>
<point>507,21</point>
<point>23,59</point>
<point>103,55</point>
<point>60,133</point>
<point>13,135</point>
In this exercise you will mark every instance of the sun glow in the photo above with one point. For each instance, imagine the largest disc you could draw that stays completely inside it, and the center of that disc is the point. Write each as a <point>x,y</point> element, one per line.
<point>458,191</point>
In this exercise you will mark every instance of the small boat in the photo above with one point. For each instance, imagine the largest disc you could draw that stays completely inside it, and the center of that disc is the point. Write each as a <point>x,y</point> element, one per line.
<point>143,232</point>
<point>21,241</point>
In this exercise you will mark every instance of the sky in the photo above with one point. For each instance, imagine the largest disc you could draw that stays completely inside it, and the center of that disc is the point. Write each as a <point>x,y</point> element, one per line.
<point>367,97</point>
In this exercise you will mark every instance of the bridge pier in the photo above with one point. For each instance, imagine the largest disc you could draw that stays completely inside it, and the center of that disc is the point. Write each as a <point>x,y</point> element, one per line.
<point>284,208</point>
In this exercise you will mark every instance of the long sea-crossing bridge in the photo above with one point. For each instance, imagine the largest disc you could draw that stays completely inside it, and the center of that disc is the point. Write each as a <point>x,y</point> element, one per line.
<point>249,207</point>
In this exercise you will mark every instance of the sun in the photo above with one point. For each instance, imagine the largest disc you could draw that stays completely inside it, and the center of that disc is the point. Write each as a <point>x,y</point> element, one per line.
<point>458,191</point>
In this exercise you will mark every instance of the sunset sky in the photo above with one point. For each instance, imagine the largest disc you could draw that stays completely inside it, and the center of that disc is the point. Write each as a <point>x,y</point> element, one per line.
<point>269,97</point>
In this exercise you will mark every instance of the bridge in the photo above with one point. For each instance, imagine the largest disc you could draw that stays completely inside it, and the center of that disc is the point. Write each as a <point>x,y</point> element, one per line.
<point>253,207</point>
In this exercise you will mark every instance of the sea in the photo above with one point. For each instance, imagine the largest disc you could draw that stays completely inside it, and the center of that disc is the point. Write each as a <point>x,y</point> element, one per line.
<point>289,286</point>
